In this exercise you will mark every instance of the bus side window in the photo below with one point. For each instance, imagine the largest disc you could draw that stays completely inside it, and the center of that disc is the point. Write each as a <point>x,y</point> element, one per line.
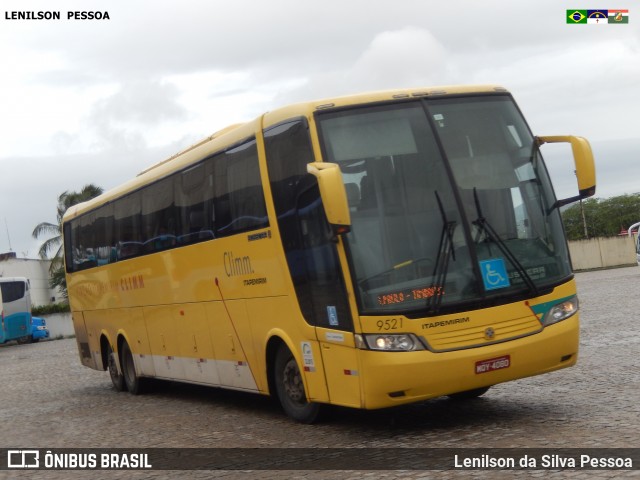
<point>321,263</point>
<point>12,291</point>
<point>194,203</point>
<point>239,203</point>
<point>311,255</point>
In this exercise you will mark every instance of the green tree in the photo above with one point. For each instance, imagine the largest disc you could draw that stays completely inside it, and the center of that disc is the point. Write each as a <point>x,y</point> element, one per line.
<point>604,217</point>
<point>620,212</point>
<point>54,230</point>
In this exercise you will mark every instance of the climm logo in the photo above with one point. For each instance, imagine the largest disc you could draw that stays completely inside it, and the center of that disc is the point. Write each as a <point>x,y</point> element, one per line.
<point>235,266</point>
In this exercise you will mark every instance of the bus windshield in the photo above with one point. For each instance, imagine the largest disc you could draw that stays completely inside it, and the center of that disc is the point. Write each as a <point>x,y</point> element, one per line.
<point>450,203</point>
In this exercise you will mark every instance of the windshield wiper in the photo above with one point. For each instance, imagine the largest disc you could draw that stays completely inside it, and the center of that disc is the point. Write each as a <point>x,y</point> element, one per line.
<point>441,269</point>
<point>482,223</point>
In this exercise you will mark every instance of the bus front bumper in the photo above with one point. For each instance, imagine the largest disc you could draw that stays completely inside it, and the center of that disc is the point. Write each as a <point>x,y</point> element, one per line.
<point>395,378</point>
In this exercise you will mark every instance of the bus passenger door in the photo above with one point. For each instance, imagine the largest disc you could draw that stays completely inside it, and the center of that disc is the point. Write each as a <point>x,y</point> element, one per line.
<point>323,299</point>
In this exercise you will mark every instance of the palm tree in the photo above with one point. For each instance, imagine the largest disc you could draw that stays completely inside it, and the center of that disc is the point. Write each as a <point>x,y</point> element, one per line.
<point>54,231</point>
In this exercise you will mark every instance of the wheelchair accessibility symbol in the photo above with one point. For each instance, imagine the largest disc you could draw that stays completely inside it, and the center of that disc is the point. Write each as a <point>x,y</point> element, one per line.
<point>494,274</point>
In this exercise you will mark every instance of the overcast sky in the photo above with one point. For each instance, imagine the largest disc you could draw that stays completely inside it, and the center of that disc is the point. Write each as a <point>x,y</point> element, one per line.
<point>98,101</point>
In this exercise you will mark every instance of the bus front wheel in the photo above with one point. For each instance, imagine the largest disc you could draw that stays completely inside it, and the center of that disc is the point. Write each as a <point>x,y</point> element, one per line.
<point>116,377</point>
<point>290,388</point>
<point>134,383</point>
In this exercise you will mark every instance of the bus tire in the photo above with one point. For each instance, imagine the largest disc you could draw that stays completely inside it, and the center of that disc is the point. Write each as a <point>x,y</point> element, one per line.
<point>116,377</point>
<point>290,388</point>
<point>469,394</point>
<point>134,383</point>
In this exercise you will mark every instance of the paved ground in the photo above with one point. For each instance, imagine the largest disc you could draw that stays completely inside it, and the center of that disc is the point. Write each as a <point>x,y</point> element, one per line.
<point>48,400</point>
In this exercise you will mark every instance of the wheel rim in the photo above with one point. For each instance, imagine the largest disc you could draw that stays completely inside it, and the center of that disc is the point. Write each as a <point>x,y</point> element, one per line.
<point>292,381</point>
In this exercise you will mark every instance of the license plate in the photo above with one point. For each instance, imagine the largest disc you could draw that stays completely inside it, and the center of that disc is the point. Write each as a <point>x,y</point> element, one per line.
<point>484,366</point>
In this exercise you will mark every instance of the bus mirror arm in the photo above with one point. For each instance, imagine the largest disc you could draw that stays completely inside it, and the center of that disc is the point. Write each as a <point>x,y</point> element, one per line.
<point>584,163</point>
<point>566,201</point>
<point>334,195</point>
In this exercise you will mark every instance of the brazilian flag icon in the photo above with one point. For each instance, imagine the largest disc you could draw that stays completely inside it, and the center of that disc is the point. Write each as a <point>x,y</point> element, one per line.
<point>576,16</point>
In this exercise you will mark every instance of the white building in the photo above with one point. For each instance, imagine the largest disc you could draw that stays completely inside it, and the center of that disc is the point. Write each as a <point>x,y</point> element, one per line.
<point>37,271</point>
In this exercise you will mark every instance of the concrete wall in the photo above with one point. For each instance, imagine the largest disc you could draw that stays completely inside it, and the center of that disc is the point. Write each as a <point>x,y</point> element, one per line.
<point>603,253</point>
<point>59,324</point>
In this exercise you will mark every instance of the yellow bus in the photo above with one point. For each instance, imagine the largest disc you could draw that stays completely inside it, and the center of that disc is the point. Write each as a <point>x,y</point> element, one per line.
<point>364,251</point>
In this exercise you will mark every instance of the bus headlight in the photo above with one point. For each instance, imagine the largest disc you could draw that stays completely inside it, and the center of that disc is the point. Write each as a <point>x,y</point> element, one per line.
<point>403,342</point>
<point>561,311</point>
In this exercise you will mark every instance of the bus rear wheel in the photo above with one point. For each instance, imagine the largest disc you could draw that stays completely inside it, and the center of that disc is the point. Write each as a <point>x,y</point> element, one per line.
<point>116,377</point>
<point>134,383</point>
<point>290,388</point>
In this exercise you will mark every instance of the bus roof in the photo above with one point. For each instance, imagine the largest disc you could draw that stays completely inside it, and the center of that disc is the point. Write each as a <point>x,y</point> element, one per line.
<point>308,108</point>
<point>233,134</point>
<point>13,279</point>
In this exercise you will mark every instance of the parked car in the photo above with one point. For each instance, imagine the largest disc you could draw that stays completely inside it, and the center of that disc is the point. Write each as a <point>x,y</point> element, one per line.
<point>38,329</point>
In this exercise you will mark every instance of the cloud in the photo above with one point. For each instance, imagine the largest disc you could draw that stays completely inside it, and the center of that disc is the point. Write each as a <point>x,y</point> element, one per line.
<point>409,56</point>
<point>123,120</point>
<point>280,36</point>
<point>148,103</point>
<point>584,89</point>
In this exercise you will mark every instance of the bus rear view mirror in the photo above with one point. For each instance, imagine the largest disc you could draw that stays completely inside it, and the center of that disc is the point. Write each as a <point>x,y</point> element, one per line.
<point>333,193</point>
<point>585,166</point>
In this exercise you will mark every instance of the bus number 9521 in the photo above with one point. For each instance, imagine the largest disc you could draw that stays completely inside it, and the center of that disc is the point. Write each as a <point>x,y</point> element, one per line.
<point>389,324</point>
